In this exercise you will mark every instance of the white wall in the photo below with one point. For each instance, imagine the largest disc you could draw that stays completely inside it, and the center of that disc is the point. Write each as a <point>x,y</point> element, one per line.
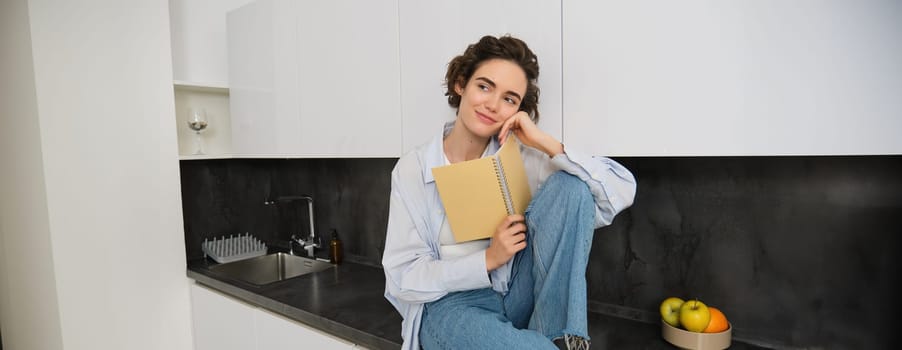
<point>29,315</point>
<point>99,132</point>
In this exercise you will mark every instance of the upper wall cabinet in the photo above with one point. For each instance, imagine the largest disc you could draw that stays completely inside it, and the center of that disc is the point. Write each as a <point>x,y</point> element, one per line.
<point>434,32</point>
<point>350,78</point>
<point>263,68</point>
<point>737,78</point>
<point>200,73</point>
<point>315,79</point>
<point>198,30</point>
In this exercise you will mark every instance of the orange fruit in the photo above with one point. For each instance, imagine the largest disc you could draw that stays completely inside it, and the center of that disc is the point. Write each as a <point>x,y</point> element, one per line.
<point>718,321</point>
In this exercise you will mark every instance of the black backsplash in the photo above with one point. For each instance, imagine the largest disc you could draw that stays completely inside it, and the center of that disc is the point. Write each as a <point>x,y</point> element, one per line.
<point>799,252</point>
<point>224,197</point>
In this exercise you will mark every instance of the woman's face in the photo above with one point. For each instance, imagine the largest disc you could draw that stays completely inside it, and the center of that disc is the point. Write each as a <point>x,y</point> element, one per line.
<point>492,95</point>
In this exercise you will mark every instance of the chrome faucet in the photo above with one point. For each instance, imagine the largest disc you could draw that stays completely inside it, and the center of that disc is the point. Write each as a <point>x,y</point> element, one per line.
<point>309,245</point>
<point>312,242</point>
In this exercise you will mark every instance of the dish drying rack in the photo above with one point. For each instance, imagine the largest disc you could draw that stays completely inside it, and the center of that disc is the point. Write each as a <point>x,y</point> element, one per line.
<point>227,249</point>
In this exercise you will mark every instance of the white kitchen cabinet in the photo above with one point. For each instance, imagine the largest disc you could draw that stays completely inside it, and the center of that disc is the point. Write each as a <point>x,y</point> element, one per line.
<point>350,78</point>
<point>315,79</point>
<point>702,78</point>
<point>263,100</point>
<point>220,322</point>
<point>200,72</point>
<point>216,137</point>
<point>433,32</point>
<point>277,332</point>
<point>225,323</point>
<point>198,33</point>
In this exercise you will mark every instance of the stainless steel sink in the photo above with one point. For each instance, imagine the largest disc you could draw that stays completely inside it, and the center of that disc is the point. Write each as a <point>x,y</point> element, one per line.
<point>270,268</point>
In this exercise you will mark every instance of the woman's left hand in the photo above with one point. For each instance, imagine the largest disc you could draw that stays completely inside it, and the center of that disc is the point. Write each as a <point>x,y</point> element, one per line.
<point>530,134</point>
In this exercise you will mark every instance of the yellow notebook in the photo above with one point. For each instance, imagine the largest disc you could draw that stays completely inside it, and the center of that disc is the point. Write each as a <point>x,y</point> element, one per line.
<point>478,194</point>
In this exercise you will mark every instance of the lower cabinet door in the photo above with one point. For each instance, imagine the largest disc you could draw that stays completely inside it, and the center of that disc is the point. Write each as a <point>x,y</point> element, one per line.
<point>225,323</point>
<point>277,332</point>
<point>221,322</point>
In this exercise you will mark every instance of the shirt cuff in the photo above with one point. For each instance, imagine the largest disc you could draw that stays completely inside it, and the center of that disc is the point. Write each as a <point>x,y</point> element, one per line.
<point>467,273</point>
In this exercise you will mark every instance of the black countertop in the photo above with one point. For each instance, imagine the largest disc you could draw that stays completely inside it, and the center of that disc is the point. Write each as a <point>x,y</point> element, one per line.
<point>348,302</point>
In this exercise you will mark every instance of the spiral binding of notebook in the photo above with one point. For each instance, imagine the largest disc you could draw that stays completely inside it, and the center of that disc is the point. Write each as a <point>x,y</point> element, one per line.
<point>227,249</point>
<point>502,182</point>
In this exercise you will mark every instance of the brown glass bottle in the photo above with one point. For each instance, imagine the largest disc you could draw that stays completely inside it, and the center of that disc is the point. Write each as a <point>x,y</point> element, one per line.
<point>335,248</point>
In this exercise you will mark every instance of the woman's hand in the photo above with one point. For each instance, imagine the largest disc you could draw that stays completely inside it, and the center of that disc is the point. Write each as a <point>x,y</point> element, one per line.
<point>509,238</point>
<point>530,134</point>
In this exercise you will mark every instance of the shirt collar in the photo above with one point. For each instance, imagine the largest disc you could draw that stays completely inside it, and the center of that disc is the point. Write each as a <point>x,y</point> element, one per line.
<point>435,155</point>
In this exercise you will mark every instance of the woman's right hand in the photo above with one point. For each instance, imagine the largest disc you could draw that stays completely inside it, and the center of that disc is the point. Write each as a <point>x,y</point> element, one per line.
<point>509,238</point>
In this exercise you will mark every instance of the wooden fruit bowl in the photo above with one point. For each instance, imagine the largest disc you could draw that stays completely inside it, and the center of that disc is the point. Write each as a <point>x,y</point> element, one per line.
<point>684,339</point>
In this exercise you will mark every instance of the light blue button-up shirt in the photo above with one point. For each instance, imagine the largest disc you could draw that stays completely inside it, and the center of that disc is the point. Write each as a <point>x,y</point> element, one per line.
<point>415,272</point>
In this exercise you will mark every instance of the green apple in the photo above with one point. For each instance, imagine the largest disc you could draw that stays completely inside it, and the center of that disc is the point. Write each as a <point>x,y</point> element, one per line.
<point>670,311</point>
<point>694,316</point>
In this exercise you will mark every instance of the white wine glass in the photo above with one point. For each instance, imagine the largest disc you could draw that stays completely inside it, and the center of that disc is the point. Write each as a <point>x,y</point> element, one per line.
<point>197,121</point>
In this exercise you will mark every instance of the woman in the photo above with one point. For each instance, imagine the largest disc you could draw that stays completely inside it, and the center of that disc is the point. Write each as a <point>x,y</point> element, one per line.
<point>525,287</point>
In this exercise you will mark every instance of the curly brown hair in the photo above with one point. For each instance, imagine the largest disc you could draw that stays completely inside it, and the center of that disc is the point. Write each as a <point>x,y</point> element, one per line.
<point>462,67</point>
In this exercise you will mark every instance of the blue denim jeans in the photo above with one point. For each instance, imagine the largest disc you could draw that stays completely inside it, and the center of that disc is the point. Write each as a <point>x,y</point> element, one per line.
<point>547,295</point>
